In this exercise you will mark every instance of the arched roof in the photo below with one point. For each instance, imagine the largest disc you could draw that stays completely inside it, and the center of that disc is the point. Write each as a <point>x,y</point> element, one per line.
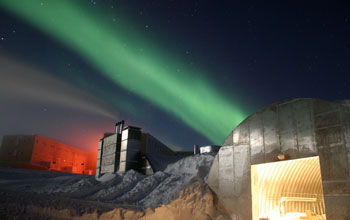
<point>297,128</point>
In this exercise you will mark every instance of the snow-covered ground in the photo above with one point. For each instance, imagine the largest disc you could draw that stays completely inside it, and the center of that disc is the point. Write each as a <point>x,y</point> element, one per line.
<point>130,189</point>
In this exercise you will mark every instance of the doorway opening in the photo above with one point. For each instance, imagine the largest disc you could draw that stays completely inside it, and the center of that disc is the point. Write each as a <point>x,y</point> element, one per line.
<point>288,190</point>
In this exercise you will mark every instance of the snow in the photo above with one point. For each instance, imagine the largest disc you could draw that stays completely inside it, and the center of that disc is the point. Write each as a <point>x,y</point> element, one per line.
<point>160,162</point>
<point>106,177</point>
<point>129,188</point>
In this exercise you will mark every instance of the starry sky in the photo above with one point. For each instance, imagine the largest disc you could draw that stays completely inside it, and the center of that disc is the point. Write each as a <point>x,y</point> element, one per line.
<point>186,71</point>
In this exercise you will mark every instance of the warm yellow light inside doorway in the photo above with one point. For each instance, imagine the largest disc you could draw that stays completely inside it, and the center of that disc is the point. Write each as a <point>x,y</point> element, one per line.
<point>288,190</point>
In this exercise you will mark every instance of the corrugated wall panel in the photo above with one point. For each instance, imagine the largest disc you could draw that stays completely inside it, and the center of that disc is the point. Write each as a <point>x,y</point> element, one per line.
<point>110,140</point>
<point>226,172</point>
<point>271,137</point>
<point>329,137</point>
<point>235,134</point>
<point>109,149</point>
<point>334,163</point>
<point>347,143</point>
<point>107,169</point>
<point>346,123</point>
<point>108,160</point>
<point>320,106</point>
<point>305,128</point>
<point>241,165</point>
<point>243,134</point>
<point>256,138</point>
<point>213,176</point>
<point>229,140</point>
<point>327,119</point>
<point>287,130</point>
<point>345,115</point>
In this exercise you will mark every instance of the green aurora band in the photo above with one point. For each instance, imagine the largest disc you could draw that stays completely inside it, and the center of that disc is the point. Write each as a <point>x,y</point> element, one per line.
<point>146,72</point>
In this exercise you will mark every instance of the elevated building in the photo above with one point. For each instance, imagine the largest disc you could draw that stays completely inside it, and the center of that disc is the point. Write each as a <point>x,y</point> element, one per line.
<point>126,149</point>
<point>38,152</point>
<point>290,160</point>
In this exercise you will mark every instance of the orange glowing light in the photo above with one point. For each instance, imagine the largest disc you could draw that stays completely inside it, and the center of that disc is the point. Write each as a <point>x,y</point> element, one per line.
<point>57,156</point>
<point>287,190</point>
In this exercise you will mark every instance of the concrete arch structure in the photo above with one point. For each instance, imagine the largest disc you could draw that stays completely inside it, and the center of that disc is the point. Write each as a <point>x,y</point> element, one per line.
<point>295,129</point>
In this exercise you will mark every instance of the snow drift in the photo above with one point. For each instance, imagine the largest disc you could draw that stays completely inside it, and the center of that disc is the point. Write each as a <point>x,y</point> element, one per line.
<point>130,190</point>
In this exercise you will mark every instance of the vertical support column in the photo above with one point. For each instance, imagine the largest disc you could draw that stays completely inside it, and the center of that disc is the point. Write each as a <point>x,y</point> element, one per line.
<point>99,158</point>
<point>195,149</point>
<point>117,153</point>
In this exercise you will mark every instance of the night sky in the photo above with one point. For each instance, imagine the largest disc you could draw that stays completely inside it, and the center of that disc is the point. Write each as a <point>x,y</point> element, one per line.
<point>186,71</point>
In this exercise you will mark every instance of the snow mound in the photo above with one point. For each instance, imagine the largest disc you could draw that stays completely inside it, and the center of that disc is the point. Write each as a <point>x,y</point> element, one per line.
<point>130,188</point>
<point>193,165</point>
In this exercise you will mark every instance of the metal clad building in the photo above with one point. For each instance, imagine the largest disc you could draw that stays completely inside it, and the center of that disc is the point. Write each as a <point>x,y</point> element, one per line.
<point>109,154</point>
<point>288,130</point>
<point>130,148</point>
<point>123,150</point>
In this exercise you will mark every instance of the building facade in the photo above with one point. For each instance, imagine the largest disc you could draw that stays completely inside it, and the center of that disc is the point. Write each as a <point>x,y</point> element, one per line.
<point>38,152</point>
<point>126,149</point>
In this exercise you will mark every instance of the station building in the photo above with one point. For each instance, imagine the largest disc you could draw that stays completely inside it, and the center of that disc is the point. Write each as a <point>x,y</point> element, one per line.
<point>130,148</point>
<point>38,152</point>
<point>289,160</point>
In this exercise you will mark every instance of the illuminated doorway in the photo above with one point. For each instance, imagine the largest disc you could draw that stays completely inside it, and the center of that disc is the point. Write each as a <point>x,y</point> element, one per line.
<point>287,190</point>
